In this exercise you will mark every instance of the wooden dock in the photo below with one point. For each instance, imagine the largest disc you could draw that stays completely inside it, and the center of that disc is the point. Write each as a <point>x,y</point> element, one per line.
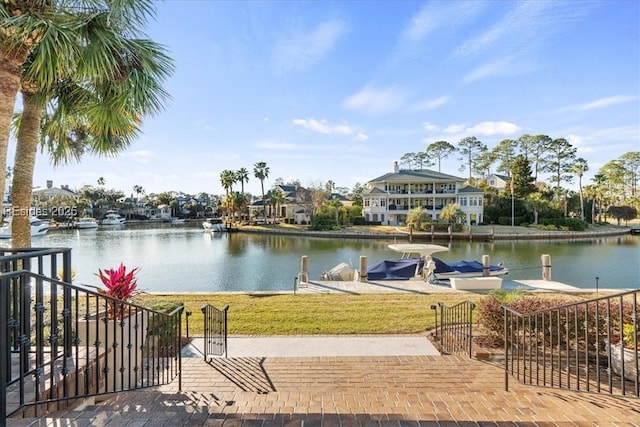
<point>423,287</point>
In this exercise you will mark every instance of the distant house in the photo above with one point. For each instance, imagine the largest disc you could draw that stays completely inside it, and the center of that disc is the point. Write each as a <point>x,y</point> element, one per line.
<point>498,182</point>
<point>293,209</point>
<point>389,198</point>
<point>346,202</point>
<point>44,194</point>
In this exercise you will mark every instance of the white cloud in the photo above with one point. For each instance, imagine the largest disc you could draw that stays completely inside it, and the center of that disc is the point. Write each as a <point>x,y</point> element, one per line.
<point>607,102</point>
<point>360,137</point>
<point>430,104</point>
<point>527,26</point>
<point>439,15</point>
<point>429,126</point>
<point>301,50</point>
<point>323,127</point>
<point>501,67</point>
<point>451,129</point>
<point>376,101</point>
<point>494,128</point>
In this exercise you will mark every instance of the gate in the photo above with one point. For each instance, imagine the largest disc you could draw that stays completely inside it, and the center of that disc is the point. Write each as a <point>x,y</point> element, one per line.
<point>454,331</point>
<point>215,331</point>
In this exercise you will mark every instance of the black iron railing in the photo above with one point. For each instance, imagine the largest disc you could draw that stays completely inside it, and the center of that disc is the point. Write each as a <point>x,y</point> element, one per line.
<point>62,342</point>
<point>454,327</point>
<point>215,331</point>
<point>588,346</point>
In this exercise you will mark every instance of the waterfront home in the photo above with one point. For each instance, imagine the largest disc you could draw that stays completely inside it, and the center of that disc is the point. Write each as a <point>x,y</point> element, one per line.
<point>389,198</point>
<point>294,210</point>
<point>45,194</point>
<point>498,182</point>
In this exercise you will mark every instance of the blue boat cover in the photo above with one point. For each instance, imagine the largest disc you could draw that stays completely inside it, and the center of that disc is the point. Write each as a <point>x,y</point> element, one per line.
<point>461,266</point>
<point>403,269</point>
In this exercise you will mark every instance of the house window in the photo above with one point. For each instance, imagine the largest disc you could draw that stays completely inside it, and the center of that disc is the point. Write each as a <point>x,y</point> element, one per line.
<point>463,201</point>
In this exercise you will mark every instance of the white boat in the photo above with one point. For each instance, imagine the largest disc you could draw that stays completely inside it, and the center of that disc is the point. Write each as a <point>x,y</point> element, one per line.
<point>213,225</point>
<point>341,272</point>
<point>85,223</point>
<point>416,262</point>
<point>176,221</point>
<point>38,227</point>
<point>112,218</point>
<point>422,254</point>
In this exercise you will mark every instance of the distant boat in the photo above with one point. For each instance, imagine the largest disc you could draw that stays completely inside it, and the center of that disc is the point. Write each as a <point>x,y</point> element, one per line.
<point>213,224</point>
<point>85,223</point>
<point>112,218</point>
<point>38,227</point>
<point>176,221</point>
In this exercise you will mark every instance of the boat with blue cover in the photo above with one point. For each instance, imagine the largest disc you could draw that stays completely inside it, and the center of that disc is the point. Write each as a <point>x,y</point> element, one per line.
<point>415,262</point>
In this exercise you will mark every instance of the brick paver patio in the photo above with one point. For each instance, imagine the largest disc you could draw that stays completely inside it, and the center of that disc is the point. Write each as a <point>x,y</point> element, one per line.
<point>348,391</point>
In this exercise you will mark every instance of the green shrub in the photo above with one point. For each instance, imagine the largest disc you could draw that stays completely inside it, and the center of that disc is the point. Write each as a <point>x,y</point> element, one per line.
<point>358,220</point>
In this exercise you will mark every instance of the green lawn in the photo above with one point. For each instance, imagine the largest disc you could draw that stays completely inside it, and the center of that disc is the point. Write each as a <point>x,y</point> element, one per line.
<point>314,314</point>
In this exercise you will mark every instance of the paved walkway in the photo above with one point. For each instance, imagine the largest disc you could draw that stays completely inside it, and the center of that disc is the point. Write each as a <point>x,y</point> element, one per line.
<point>257,389</point>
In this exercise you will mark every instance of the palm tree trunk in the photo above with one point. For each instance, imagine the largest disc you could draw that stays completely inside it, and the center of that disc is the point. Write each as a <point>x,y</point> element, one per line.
<point>581,198</point>
<point>25,161</point>
<point>10,72</point>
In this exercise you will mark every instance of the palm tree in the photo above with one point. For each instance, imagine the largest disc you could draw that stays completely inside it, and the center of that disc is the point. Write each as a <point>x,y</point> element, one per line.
<point>451,213</point>
<point>578,168</point>
<point>277,198</point>
<point>261,172</point>
<point>19,34</point>
<point>242,176</point>
<point>227,179</point>
<point>85,84</point>
<point>536,202</point>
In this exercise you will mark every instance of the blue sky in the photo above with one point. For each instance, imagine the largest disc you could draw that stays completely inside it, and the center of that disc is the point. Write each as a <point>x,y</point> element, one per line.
<point>330,90</point>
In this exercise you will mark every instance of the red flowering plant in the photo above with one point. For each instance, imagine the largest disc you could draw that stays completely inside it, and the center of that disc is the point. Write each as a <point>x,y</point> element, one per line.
<point>120,284</point>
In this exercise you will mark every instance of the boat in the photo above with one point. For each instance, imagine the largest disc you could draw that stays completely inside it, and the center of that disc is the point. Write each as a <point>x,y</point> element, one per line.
<point>341,272</point>
<point>38,227</point>
<point>112,218</point>
<point>85,223</point>
<point>417,262</point>
<point>420,258</point>
<point>213,225</point>
<point>176,221</point>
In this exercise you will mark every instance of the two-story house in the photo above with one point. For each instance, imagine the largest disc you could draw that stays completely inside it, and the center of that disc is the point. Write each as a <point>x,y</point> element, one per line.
<point>294,208</point>
<point>390,197</point>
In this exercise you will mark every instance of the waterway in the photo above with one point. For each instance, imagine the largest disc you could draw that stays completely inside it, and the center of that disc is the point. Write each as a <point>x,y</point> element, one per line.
<point>187,259</point>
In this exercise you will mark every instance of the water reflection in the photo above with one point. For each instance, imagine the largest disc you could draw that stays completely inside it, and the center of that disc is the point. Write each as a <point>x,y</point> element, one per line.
<point>187,259</point>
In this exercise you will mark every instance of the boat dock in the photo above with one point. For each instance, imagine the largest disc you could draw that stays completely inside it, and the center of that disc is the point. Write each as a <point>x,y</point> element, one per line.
<point>423,287</point>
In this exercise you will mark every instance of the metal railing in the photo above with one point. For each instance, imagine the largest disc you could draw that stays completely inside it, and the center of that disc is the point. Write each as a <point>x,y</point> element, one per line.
<point>585,346</point>
<point>215,331</point>
<point>62,342</point>
<point>454,327</point>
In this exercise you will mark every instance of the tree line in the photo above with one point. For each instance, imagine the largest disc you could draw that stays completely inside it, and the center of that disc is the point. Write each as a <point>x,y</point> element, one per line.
<point>524,159</point>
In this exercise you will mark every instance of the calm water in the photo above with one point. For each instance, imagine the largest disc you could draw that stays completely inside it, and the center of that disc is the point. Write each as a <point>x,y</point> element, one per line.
<point>186,259</point>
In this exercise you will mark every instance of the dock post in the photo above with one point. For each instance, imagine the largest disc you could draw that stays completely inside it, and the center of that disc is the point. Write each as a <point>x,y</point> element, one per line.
<point>303,276</point>
<point>486,262</point>
<point>546,266</point>
<point>362,275</point>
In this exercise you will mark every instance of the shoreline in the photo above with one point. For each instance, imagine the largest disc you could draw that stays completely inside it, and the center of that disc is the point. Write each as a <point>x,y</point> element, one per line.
<point>439,236</point>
